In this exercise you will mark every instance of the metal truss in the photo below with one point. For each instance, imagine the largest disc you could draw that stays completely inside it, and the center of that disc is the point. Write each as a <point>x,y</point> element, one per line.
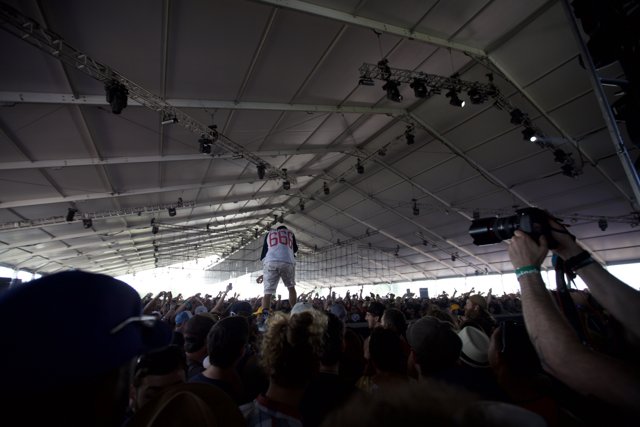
<point>478,93</point>
<point>55,220</point>
<point>49,42</point>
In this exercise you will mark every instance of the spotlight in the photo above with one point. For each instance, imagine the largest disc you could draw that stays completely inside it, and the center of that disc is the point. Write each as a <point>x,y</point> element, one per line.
<point>87,223</point>
<point>476,96</point>
<point>116,96</point>
<point>559,156</point>
<point>281,219</point>
<point>172,211</point>
<point>359,167</point>
<point>205,145</point>
<point>71,213</point>
<point>180,203</point>
<point>301,206</point>
<point>569,170</point>
<point>392,91</point>
<point>155,229</point>
<point>416,211</point>
<point>286,185</point>
<point>529,134</point>
<point>167,120</point>
<point>385,70</point>
<point>409,136</point>
<point>366,81</point>
<point>603,224</point>
<point>419,88</point>
<point>517,117</point>
<point>261,170</point>
<point>255,232</point>
<point>455,101</point>
<point>326,189</point>
<point>214,133</point>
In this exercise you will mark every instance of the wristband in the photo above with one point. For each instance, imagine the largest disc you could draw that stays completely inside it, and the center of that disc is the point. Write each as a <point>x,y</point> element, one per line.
<point>576,262</point>
<point>527,269</point>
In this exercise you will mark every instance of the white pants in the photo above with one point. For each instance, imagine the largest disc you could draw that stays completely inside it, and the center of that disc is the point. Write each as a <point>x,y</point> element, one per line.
<point>273,271</point>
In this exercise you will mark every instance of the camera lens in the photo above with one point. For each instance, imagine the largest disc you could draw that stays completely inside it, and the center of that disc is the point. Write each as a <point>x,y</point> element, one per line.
<point>487,231</point>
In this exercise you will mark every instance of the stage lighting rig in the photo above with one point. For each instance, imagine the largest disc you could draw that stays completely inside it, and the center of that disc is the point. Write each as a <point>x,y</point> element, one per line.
<point>419,88</point>
<point>454,99</point>
<point>409,136</point>
<point>393,93</point>
<point>261,170</point>
<point>71,213</point>
<point>116,96</point>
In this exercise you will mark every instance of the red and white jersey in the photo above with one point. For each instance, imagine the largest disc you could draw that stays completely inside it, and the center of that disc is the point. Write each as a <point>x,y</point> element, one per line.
<point>279,245</point>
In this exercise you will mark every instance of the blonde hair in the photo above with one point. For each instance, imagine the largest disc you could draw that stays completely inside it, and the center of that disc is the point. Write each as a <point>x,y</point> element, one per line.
<point>291,347</point>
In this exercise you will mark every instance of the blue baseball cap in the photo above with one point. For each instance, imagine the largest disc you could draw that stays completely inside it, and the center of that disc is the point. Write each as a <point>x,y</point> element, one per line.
<point>183,316</point>
<point>78,326</point>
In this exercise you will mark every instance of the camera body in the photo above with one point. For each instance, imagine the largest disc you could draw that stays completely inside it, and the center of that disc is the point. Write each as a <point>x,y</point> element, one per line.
<point>533,221</point>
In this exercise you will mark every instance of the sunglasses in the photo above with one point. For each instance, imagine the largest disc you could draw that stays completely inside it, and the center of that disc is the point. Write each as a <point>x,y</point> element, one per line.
<point>147,321</point>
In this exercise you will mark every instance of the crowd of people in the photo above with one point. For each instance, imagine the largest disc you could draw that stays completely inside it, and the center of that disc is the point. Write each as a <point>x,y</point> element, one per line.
<point>85,349</point>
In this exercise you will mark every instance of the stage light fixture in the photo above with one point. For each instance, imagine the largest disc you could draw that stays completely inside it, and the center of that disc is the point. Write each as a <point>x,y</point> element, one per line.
<point>529,134</point>
<point>359,167</point>
<point>385,70</point>
<point>454,99</point>
<point>205,145</point>
<point>559,155</point>
<point>172,211</point>
<point>155,229</point>
<point>409,136</point>
<point>71,213</point>
<point>366,81</point>
<point>603,224</point>
<point>116,96</point>
<point>419,88</point>
<point>416,211</point>
<point>87,223</point>
<point>255,232</point>
<point>301,206</point>
<point>261,170</point>
<point>391,87</point>
<point>214,133</point>
<point>326,189</point>
<point>167,120</point>
<point>517,117</point>
<point>286,185</point>
<point>476,96</point>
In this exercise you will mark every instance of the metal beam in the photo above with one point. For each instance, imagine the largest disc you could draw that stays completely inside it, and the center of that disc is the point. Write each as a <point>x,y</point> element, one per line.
<point>170,158</point>
<point>93,196</point>
<point>360,21</point>
<point>25,243</point>
<point>9,98</point>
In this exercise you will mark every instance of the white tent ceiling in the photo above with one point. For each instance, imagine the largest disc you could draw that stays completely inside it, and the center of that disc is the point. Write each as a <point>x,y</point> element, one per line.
<point>280,81</point>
